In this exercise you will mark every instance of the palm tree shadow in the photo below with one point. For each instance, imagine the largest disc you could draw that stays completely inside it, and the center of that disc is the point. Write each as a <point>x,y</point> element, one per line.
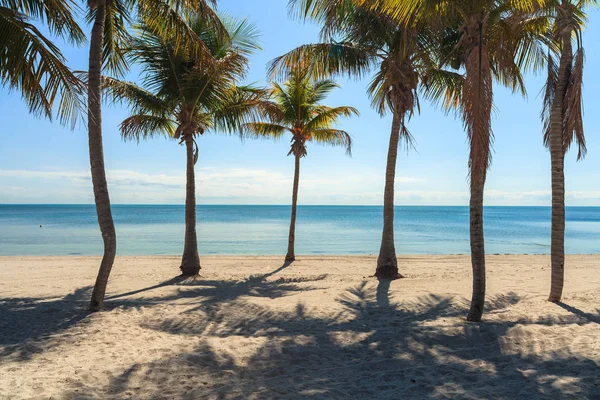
<point>368,349</point>
<point>580,313</point>
<point>187,281</point>
<point>211,292</point>
<point>383,293</point>
<point>278,270</point>
<point>27,324</point>
<point>172,281</point>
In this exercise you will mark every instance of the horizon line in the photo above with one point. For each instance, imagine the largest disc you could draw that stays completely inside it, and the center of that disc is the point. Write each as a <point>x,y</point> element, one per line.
<point>280,205</point>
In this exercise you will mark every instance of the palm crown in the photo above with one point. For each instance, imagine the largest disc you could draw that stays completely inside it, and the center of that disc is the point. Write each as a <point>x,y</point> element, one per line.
<point>296,108</point>
<point>357,40</point>
<point>488,39</point>
<point>568,20</point>
<point>170,19</point>
<point>180,94</point>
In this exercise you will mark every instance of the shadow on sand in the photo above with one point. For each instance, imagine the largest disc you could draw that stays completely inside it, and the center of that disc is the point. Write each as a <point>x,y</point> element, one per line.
<point>28,324</point>
<point>583,315</point>
<point>370,349</point>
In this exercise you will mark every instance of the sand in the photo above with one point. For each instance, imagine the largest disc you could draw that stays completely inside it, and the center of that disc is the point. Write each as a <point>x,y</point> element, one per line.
<point>320,328</point>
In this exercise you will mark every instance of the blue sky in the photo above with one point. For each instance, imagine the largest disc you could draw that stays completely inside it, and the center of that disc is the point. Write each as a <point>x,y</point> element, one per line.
<point>42,162</point>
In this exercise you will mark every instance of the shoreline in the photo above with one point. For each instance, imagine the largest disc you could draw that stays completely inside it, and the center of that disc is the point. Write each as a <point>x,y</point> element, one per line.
<point>307,256</point>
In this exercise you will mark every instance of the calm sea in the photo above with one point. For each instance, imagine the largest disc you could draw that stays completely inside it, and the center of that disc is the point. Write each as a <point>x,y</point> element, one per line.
<point>159,229</point>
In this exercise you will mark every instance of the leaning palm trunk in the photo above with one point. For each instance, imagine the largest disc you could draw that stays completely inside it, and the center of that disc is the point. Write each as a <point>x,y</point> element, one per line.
<point>190,261</point>
<point>557,156</point>
<point>291,255</point>
<point>101,197</point>
<point>387,264</point>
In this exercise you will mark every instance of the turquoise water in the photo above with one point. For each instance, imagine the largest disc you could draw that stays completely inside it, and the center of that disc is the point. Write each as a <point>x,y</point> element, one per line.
<point>158,229</point>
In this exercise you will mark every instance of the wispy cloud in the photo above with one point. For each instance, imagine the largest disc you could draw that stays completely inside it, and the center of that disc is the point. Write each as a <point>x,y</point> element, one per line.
<point>251,186</point>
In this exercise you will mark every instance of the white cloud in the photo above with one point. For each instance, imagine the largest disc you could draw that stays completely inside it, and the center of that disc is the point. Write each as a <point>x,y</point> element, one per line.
<point>50,174</point>
<point>252,186</point>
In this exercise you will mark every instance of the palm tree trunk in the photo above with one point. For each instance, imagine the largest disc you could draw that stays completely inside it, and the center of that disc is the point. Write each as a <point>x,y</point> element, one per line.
<point>387,264</point>
<point>291,256</point>
<point>190,262</point>
<point>477,243</point>
<point>557,161</point>
<point>478,98</point>
<point>101,197</point>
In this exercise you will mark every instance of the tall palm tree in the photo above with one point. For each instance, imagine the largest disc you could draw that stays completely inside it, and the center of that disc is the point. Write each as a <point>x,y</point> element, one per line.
<point>32,64</point>
<point>357,40</point>
<point>563,117</point>
<point>101,197</point>
<point>296,109</point>
<point>109,38</point>
<point>184,97</point>
<point>488,39</point>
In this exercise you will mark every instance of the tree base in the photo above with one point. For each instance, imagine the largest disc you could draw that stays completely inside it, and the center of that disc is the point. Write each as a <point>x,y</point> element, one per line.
<point>388,272</point>
<point>290,258</point>
<point>475,314</point>
<point>96,306</point>
<point>554,300</point>
<point>190,263</point>
<point>188,271</point>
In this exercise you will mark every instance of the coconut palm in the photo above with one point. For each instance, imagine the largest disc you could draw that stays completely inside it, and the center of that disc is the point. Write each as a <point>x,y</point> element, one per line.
<point>490,40</point>
<point>109,38</point>
<point>355,42</point>
<point>563,117</point>
<point>183,98</point>
<point>296,109</point>
<point>32,64</point>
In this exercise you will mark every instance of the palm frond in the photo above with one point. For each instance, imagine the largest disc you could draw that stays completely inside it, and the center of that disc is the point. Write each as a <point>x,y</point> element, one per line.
<point>116,36</point>
<point>138,99</point>
<point>321,89</point>
<point>326,116</point>
<point>165,19</point>
<point>378,91</point>
<point>240,105</point>
<point>263,130</point>
<point>444,88</point>
<point>332,137</point>
<point>549,94</point>
<point>58,15</point>
<point>323,60</point>
<point>32,64</point>
<point>244,35</point>
<point>573,114</point>
<point>142,127</point>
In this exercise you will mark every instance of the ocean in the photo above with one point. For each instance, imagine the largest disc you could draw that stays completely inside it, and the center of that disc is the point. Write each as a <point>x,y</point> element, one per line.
<point>262,230</point>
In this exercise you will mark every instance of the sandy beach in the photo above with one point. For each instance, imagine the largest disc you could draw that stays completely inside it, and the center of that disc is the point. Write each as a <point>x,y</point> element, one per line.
<point>250,328</point>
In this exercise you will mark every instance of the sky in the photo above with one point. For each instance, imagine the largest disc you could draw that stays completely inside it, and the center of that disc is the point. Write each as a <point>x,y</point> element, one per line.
<point>44,163</point>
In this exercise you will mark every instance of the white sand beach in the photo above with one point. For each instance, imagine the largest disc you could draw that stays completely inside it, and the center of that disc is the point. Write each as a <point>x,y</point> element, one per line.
<point>320,328</point>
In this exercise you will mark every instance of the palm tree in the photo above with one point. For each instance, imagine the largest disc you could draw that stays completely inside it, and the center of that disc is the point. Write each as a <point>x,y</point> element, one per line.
<point>563,117</point>
<point>355,41</point>
<point>296,109</point>
<point>489,39</point>
<point>109,38</point>
<point>184,97</point>
<point>32,64</point>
